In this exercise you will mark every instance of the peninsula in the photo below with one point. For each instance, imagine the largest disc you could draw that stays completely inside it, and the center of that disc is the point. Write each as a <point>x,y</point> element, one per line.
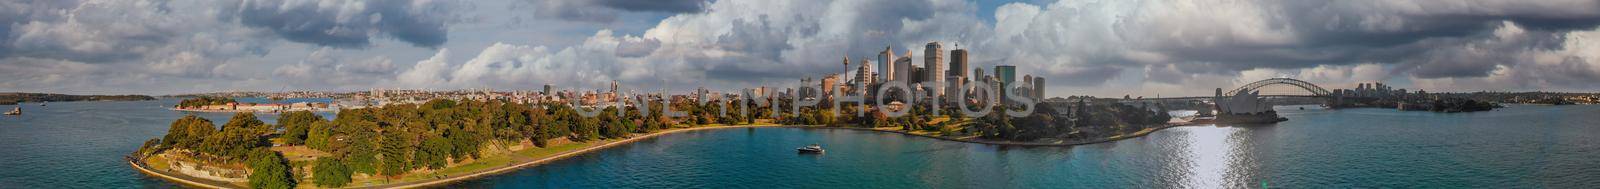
<point>442,140</point>
<point>14,97</point>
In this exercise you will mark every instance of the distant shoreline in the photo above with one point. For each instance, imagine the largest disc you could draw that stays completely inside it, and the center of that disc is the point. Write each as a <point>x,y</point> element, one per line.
<point>1136,134</point>
<point>16,98</point>
<point>250,111</point>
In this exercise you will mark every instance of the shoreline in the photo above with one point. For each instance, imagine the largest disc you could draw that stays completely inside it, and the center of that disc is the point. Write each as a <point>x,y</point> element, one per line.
<point>138,164</point>
<point>1137,134</point>
<point>249,111</point>
<point>585,150</point>
<point>562,155</point>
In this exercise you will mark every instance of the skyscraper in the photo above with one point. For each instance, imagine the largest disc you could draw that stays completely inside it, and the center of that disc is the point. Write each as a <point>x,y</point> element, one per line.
<point>1038,88</point>
<point>864,73</point>
<point>957,78</point>
<point>1027,81</point>
<point>886,64</point>
<point>933,56</point>
<point>1006,73</point>
<point>902,68</point>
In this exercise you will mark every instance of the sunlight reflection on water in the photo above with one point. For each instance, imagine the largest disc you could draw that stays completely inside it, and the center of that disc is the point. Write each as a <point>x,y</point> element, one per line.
<point>1211,157</point>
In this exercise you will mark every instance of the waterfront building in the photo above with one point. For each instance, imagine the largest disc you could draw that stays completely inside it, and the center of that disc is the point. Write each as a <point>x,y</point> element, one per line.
<point>1244,107</point>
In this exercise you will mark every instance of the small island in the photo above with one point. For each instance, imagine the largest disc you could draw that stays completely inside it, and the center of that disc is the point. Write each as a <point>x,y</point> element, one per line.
<point>225,104</point>
<point>14,98</point>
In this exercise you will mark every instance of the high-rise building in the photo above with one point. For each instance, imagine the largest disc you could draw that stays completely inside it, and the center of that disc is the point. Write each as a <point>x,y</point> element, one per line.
<point>918,74</point>
<point>1038,88</point>
<point>977,74</point>
<point>932,63</point>
<point>902,68</point>
<point>886,66</point>
<point>958,62</point>
<point>1006,73</point>
<point>1027,82</point>
<point>828,84</point>
<point>864,73</point>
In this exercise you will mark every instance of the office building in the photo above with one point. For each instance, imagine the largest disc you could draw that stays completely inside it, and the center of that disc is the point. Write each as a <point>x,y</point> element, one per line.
<point>1006,73</point>
<point>1038,88</point>
<point>886,67</point>
<point>902,68</point>
<point>933,56</point>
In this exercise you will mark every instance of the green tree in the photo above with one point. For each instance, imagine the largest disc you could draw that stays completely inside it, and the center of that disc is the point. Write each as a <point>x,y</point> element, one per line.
<point>296,126</point>
<point>188,132</point>
<point>361,155</point>
<point>231,144</point>
<point>329,172</point>
<point>320,136</point>
<point>246,121</point>
<point>394,155</point>
<point>433,153</point>
<point>268,169</point>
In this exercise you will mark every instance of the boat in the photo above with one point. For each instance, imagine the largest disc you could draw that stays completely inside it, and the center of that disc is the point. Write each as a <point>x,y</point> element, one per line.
<point>15,111</point>
<point>42,103</point>
<point>812,149</point>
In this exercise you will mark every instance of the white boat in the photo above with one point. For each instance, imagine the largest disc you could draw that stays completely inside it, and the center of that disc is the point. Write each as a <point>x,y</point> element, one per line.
<point>812,149</point>
<point>15,111</point>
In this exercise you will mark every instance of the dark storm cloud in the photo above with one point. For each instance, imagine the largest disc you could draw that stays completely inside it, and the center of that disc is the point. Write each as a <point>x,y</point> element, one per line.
<point>609,10</point>
<point>350,23</point>
<point>757,38</point>
<point>670,6</point>
<point>1433,39</point>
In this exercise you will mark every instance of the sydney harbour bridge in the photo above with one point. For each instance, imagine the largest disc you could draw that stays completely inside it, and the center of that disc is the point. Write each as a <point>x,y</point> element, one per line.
<point>1298,89</point>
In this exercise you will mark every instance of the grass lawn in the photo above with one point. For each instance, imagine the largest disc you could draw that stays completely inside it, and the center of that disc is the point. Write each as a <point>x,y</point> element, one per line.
<point>495,161</point>
<point>158,163</point>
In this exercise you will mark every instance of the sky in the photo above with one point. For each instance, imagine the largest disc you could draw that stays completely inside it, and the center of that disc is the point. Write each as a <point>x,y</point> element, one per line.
<point>1082,47</point>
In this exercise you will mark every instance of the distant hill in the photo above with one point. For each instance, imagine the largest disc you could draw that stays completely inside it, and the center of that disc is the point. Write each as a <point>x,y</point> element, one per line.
<point>14,98</point>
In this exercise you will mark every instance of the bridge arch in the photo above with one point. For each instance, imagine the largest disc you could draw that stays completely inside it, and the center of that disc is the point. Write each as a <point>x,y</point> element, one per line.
<point>1308,86</point>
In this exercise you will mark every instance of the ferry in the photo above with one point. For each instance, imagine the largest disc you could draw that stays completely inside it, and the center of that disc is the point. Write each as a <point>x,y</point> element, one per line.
<point>812,149</point>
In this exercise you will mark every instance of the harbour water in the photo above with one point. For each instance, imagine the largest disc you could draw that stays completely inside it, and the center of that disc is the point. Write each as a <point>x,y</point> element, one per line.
<point>1516,147</point>
<point>80,145</point>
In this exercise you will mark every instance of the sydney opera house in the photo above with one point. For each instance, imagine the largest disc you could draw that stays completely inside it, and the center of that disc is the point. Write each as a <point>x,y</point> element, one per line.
<point>1244,107</point>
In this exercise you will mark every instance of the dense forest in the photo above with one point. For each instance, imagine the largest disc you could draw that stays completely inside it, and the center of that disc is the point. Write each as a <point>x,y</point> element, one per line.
<point>392,140</point>
<point>203,101</point>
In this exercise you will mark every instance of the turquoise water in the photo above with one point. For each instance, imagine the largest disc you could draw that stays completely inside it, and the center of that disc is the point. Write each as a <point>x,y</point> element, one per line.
<point>79,145</point>
<point>1517,147</point>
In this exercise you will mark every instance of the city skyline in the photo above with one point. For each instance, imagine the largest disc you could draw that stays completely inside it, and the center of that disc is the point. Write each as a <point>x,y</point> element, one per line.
<point>1101,48</point>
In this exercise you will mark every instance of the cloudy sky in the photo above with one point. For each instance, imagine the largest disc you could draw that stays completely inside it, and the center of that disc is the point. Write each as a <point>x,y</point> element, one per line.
<point>1094,47</point>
